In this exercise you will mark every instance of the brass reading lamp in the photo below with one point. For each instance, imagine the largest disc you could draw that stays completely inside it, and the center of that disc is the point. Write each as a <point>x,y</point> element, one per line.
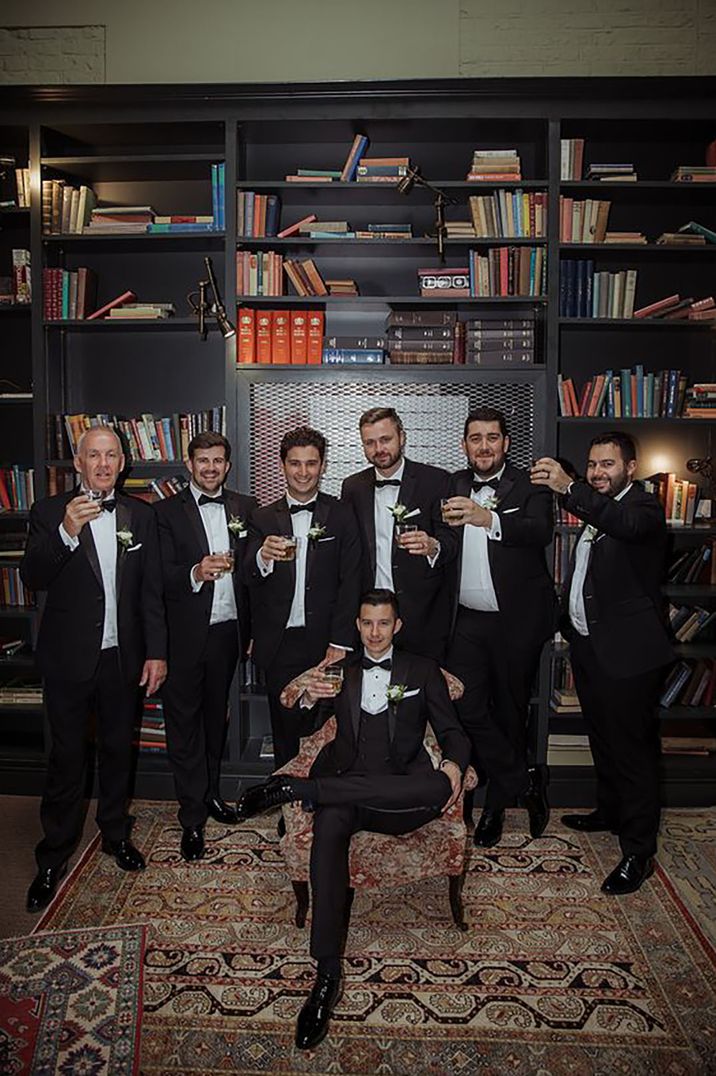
<point>441,199</point>
<point>205,309</point>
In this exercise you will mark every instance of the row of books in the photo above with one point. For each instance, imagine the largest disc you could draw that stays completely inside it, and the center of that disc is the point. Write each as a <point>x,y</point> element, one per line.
<point>584,293</point>
<point>66,209</point>
<point>151,735</point>
<point>307,280</point>
<point>279,336</point>
<point>700,400</point>
<point>147,437</point>
<point>508,271</point>
<point>310,227</point>
<point>512,214</point>
<point>259,273</point>
<point>13,592</point>
<point>694,565</point>
<point>257,215</point>
<point>583,221</point>
<point>68,293</point>
<point>155,489</point>
<point>625,394</point>
<point>17,488</point>
<point>17,287</point>
<point>679,497</point>
<point>690,683</point>
<point>674,307</point>
<point>688,622</point>
<point>327,175</point>
<point>17,184</point>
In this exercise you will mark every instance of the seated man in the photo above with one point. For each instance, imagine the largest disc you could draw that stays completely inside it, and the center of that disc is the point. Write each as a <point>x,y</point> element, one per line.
<point>376,776</point>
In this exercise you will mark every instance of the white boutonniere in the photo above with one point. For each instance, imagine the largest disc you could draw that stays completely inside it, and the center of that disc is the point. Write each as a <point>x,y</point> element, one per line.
<point>125,539</point>
<point>590,533</point>
<point>316,531</point>
<point>237,526</point>
<point>395,693</point>
<point>491,502</point>
<point>401,512</point>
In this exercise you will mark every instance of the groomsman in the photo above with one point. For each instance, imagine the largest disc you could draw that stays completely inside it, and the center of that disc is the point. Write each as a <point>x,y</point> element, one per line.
<point>505,612</point>
<point>102,637</point>
<point>202,533</point>
<point>303,570</point>
<point>413,567</point>
<point>612,616</point>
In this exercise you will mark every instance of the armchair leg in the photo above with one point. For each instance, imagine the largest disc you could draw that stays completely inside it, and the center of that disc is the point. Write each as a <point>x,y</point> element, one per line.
<point>300,890</point>
<point>456,882</point>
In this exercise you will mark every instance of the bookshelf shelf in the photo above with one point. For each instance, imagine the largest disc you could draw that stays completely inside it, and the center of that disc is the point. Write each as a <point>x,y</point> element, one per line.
<point>119,240</point>
<point>688,592</point>
<point>380,369</point>
<point>13,210</point>
<point>400,245</point>
<point>20,612</point>
<point>8,401</point>
<point>389,188</point>
<point>639,185</point>
<point>388,300</point>
<point>651,249</point>
<point>15,308</point>
<point>575,419</point>
<point>123,324</point>
<point>695,650</point>
<point>658,324</point>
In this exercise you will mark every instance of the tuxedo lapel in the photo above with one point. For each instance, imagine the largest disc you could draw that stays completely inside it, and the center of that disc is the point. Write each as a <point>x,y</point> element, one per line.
<point>352,687</point>
<point>90,549</point>
<point>319,519</point>
<point>408,488</point>
<point>284,528</point>
<point>366,513</point>
<point>506,483</point>
<point>123,517</point>
<point>194,516</point>
<point>398,675</point>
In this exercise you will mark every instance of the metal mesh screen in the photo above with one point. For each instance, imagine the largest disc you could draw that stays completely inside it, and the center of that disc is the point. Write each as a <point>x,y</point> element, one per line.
<point>433,414</point>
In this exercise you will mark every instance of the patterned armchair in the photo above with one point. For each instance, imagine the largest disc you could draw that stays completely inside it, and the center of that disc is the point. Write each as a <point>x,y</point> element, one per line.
<point>437,849</point>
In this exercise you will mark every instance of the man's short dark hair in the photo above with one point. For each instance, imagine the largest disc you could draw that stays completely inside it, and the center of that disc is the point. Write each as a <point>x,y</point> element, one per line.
<point>624,442</point>
<point>380,596</point>
<point>303,437</point>
<point>209,439</point>
<point>377,414</point>
<point>485,414</point>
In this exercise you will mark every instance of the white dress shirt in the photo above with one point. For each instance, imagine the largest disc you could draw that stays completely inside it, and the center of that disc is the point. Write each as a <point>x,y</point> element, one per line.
<point>374,685</point>
<point>104,534</point>
<point>577,612</point>
<point>300,526</point>
<point>384,499</point>
<point>213,518</point>
<point>477,590</point>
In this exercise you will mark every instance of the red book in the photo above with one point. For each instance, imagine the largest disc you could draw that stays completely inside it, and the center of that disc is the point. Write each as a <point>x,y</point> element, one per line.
<point>662,304</point>
<point>314,344</point>
<point>299,337</point>
<point>125,297</point>
<point>247,335</point>
<point>294,228</point>
<point>280,336</point>
<point>263,336</point>
<point>583,399</point>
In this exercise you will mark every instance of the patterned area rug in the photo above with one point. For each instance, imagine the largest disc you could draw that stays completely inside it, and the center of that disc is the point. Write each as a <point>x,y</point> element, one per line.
<point>553,977</point>
<point>71,1002</point>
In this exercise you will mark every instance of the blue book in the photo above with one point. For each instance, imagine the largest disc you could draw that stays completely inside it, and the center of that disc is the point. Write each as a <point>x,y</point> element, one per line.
<point>189,226</point>
<point>273,212</point>
<point>626,393</point>
<point>215,195</point>
<point>337,356</point>
<point>650,395</point>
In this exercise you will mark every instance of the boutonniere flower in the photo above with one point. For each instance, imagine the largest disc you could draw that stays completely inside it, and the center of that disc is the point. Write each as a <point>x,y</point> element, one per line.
<point>590,533</point>
<point>401,512</point>
<point>395,693</point>
<point>316,531</point>
<point>236,525</point>
<point>125,539</point>
<point>491,502</point>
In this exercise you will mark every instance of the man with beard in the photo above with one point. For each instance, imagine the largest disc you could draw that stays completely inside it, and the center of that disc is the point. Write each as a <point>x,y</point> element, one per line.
<point>413,564</point>
<point>504,613</point>
<point>611,615</point>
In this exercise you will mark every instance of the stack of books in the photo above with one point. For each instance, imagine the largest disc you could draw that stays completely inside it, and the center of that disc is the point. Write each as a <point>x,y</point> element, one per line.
<point>506,271</point>
<point>326,229</point>
<point>259,272</point>
<point>624,393</point>
<point>681,239</point>
<point>20,692</point>
<point>700,401</point>
<point>17,488</point>
<point>143,311</point>
<point>313,175</point>
<point>495,165</point>
<point>564,699</point>
<point>518,214</point>
<point>382,169</point>
<point>341,287</point>
<point>633,238</point>
<point>568,749</point>
<point>423,336</point>
<point>279,337</point>
<point>693,229</point>
<point>582,221</point>
<point>257,215</point>
<point>694,173</point>
<point>571,158</point>
<point>120,220</point>
<point>673,306</point>
<point>21,277</point>
<point>350,350</point>
<point>178,223</point>
<point>385,231</point>
<point>494,340</point>
<point>612,173</point>
<point>151,735</point>
<point>460,229</point>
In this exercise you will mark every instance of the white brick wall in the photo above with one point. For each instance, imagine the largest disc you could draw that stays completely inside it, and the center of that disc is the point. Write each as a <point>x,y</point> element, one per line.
<point>52,54</point>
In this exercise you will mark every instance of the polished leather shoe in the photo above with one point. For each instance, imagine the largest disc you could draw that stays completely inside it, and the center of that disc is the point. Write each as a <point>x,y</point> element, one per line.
<point>221,811</point>
<point>594,822</point>
<point>489,828</point>
<point>128,857</point>
<point>192,843</point>
<point>535,800</point>
<point>628,876</point>
<point>312,1023</point>
<point>43,887</point>
<point>271,793</point>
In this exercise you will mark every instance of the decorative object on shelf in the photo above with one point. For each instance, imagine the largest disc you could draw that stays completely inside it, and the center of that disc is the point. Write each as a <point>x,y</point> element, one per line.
<point>705,467</point>
<point>203,308</point>
<point>441,199</point>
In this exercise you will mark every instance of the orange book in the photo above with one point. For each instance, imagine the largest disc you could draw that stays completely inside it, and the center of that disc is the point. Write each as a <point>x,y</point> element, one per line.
<point>247,335</point>
<point>280,336</point>
<point>670,492</point>
<point>294,276</point>
<point>596,393</point>
<point>573,402</point>
<point>263,336</point>
<point>311,270</point>
<point>299,337</point>
<point>314,349</point>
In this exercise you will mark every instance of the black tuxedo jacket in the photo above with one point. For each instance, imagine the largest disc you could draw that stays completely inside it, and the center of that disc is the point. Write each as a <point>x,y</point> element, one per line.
<point>183,543</point>
<point>406,719</point>
<point>622,588</point>
<point>518,565</point>
<point>332,578</point>
<point>421,590</point>
<point>70,636</point>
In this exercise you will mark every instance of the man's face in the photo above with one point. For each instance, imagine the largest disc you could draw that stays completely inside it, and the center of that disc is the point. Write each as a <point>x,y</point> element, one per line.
<point>99,460</point>
<point>302,470</point>
<point>607,471</point>
<point>383,444</point>
<point>208,468</point>
<point>485,448</point>
<point>377,625</point>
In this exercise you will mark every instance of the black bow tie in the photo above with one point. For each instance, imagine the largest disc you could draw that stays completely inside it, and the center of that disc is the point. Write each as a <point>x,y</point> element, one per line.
<point>489,483</point>
<point>203,499</point>
<point>109,506</point>
<point>386,664</point>
<point>294,508</point>
<point>380,482</point>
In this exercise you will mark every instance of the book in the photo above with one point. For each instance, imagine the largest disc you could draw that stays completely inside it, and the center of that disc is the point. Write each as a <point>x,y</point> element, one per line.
<point>358,146</point>
<point>125,297</point>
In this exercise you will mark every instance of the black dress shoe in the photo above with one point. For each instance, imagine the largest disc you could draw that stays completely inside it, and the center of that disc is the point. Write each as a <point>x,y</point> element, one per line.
<point>271,793</point>
<point>281,825</point>
<point>312,1023</point>
<point>221,811</point>
<point>628,876</point>
<point>128,857</point>
<point>192,843</point>
<point>594,822</point>
<point>489,828</point>
<point>43,886</point>
<point>535,800</point>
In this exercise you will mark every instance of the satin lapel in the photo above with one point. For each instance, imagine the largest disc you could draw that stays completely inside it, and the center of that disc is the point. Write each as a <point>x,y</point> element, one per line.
<point>463,488</point>
<point>366,512</point>
<point>353,682</point>
<point>194,515</point>
<point>319,519</point>
<point>398,675</point>
<point>90,549</point>
<point>408,488</point>
<point>123,522</point>
<point>285,529</point>
<point>505,484</point>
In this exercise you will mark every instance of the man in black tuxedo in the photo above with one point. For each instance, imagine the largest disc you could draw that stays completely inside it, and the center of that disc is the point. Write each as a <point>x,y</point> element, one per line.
<point>101,638</point>
<point>375,776</point>
<point>413,565</point>
<point>612,616</point>
<point>505,611</point>
<point>303,570</point>
<point>202,534</point>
